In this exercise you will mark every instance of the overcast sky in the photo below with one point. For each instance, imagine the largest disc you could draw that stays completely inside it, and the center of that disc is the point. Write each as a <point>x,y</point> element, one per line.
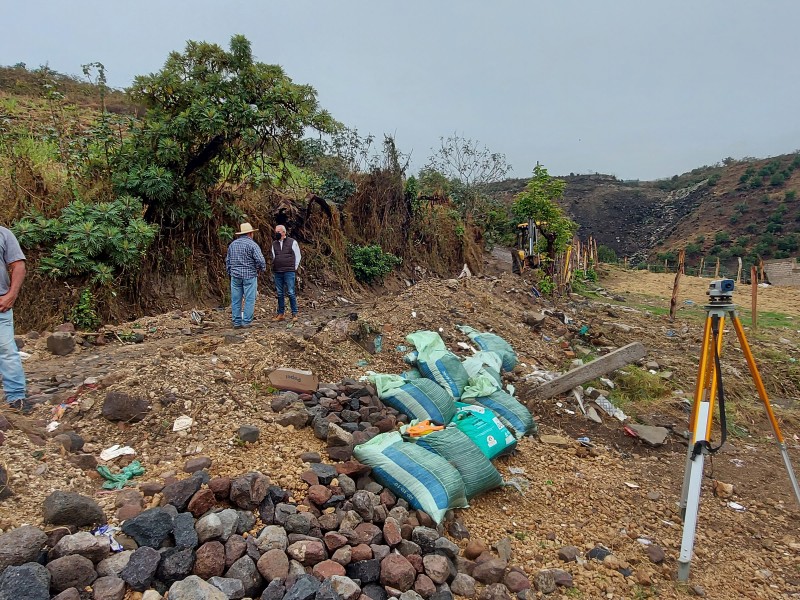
<point>639,89</point>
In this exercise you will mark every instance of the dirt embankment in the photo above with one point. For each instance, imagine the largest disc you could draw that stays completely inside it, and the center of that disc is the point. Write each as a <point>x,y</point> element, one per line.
<point>619,494</point>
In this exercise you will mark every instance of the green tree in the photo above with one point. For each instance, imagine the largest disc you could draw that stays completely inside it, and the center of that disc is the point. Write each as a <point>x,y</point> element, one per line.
<point>214,117</point>
<point>606,254</point>
<point>539,202</point>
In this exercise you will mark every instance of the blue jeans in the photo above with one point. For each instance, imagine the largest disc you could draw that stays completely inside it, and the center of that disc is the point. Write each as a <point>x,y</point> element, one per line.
<point>10,362</point>
<point>243,289</point>
<point>285,280</point>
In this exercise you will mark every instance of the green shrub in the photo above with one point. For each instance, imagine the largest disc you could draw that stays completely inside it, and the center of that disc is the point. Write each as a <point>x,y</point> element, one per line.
<point>700,239</point>
<point>778,179</point>
<point>756,182</point>
<point>737,250</point>
<point>83,315</point>
<point>714,179</point>
<point>336,189</point>
<point>734,219</point>
<point>775,227</point>
<point>693,249</point>
<point>606,254</point>
<point>371,263</point>
<point>790,195</point>
<point>751,228</point>
<point>722,237</point>
<point>743,240</point>
<point>742,207</point>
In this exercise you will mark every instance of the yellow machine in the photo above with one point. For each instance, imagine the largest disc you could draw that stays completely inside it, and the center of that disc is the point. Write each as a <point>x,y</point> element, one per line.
<point>524,254</point>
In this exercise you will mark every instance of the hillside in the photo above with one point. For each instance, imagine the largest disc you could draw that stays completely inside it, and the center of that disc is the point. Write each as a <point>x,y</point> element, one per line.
<point>746,208</point>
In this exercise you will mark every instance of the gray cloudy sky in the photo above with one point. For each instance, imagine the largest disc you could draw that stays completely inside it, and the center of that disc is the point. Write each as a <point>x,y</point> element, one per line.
<point>640,89</point>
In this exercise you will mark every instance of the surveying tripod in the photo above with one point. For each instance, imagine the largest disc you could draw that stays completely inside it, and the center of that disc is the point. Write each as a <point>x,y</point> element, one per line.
<point>709,388</point>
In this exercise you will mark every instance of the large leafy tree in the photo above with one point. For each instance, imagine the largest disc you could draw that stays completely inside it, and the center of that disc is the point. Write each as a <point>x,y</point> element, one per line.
<point>214,119</point>
<point>539,201</point>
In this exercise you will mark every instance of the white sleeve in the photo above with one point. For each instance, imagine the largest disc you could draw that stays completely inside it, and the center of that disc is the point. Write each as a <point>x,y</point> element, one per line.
<point>296,248</point>
<point>272,249</point>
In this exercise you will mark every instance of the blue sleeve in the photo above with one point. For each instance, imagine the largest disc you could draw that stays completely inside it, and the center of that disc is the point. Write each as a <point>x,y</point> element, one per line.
<point>259,257</point>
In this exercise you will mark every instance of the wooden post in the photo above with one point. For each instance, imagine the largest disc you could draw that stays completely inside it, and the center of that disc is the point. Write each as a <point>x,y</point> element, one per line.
<point>761,268</point>
<point>626,262</point>
<point>739,272</point>
<point>716,271</point>
<point>754,297</point>
<point>702,266</point>
<point>598,367</point>
<point>673,303</point>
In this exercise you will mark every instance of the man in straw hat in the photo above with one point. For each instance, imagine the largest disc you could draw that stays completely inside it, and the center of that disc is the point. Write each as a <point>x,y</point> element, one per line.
<point>244,262</point>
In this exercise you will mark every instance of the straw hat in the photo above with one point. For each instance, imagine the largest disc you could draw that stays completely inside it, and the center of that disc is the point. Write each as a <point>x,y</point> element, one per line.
<point>245,228</point>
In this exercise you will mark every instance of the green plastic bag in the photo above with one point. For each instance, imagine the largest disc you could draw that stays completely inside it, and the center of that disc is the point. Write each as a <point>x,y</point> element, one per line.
<point>476,470</point>
<point>437,363</point>
<point>484,363</point>
<point>419,399</point>
<point>424,479</point>
<point>484,428</point>
<point>492,343</point>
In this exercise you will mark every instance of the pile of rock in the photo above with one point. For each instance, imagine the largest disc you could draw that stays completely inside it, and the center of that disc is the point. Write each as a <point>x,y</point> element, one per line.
<point>343,415</point>
<point>348,539</point>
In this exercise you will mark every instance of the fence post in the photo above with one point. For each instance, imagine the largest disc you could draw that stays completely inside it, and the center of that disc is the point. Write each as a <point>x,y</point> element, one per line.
<point>754,297</point>
<point>739,273</point>
<point>702,266</point>
<point>673,303</point>
<point>716,271</point>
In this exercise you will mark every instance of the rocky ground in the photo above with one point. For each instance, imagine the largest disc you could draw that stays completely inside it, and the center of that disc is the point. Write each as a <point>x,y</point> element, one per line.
<point>570,502</point>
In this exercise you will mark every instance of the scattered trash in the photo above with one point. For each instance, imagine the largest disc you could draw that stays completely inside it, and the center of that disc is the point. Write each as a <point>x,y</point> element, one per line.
<point>414,314</point>
<point>196,318</point>
<point>610,409</point>
<point>116,451</point>
<point>362,363</point>
<point>401,348</point>
<point>466,346</point>
<point>689,302</point>
<point>108,531</point>
<point>294,380</point>
<point>670,333</point>
<point>378,343</point>
<point>182,423</point>
<point>465,272</point>
<point>607,382</point>
<point>579,398</point>
<point>736,506</point>
<point>520,484</point>
<point>516,470</point>
<point>644,541</point>
<point>737,462</point>
<point>52,426</point>
<point>585,441</point>
<point>632,485</point>
<point>116,481</point>
<point>583,330</point>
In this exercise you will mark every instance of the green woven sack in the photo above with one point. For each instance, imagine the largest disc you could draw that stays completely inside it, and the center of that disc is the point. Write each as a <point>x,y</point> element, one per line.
<point>424,479</point>
<point>476,470</point>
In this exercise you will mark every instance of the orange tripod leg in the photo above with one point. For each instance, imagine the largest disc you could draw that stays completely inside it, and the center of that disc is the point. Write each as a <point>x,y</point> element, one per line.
<point>762,393</point>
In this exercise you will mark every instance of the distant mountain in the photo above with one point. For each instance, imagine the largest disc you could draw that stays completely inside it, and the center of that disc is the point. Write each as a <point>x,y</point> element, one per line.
<point>746,208</point>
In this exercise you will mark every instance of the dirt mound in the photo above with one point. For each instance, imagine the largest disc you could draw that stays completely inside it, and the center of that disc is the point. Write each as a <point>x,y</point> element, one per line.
<point>618,494</point>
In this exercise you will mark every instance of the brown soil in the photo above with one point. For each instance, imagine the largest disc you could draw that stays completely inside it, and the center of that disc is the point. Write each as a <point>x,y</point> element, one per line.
<point>572,496</point>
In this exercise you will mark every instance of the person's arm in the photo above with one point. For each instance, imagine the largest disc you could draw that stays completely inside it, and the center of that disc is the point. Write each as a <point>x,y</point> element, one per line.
<point>296,248</point>
<point>259,258</point>
<point>16,271</point>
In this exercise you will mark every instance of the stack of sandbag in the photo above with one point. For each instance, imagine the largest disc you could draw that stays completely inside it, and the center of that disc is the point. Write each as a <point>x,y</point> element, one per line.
<point>418,399</point>
<point>437,363</point>
<point>424,479</point>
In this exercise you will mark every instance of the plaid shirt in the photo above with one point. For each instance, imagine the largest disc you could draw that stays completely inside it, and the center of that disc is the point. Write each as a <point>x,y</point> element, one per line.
<point>244,258</point>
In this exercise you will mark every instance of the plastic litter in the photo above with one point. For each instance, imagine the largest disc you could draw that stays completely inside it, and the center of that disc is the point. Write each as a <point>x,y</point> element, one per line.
<point>736,506</point>
<point>23,355</point>
<point>610,409</point>
<point>362,363</point>
<point>116,481</point>
<point>109,531</point>
<point>52,426</point>
<point>401,348</point>
<point>116,451</point>
<point>607,382</point>
<point>182,423</point>
<point>632,485</point>
<point>585,441</point>
<point>520,484</point>
<point>516,470</point>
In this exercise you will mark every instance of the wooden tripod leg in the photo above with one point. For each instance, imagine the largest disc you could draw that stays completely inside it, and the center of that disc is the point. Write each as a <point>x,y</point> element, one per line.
<point>762,393</point>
